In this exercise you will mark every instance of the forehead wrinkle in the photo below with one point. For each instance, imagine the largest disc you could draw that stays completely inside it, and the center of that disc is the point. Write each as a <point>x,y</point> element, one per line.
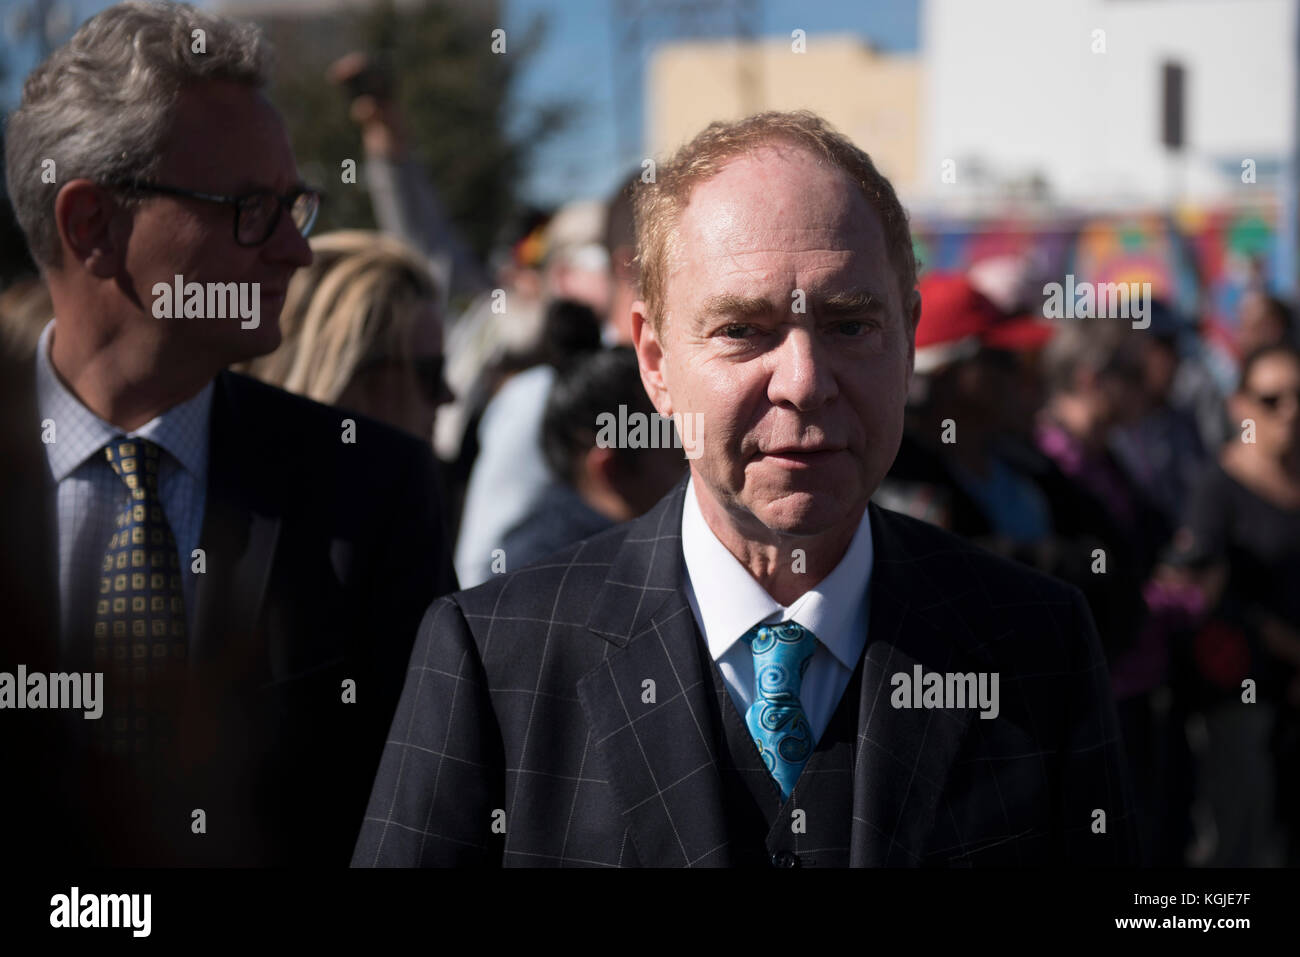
<point>753,209</point>
<point>776,192</point>
<point>779,236</point>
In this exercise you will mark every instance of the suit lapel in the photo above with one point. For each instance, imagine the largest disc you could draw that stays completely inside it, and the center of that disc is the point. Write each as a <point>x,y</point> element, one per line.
<point>904,755</point>
<point>30,529</point>
<point>661,756</point>
<point>241,525</point>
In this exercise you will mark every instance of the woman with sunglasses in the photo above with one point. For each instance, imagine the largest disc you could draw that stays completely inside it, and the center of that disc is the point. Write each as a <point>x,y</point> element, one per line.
<point>361,330</point>
<point>1241,544</point>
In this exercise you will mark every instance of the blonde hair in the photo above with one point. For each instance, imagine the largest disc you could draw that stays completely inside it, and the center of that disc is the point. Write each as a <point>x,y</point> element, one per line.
<point>659,204</point>
<point>25,308</point>
<point>355,302</point>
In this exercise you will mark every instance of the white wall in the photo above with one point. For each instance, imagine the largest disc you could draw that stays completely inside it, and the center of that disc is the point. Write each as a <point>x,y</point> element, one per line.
<point>1014,85</point>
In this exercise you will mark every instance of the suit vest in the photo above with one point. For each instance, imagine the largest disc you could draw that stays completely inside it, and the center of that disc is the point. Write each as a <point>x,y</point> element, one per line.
<point>765,830</point>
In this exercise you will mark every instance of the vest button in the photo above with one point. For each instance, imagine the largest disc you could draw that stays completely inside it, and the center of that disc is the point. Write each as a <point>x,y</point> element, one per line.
<point>785,859</point>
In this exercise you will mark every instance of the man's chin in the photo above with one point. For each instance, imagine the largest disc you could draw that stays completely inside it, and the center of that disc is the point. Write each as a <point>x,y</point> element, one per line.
<point>803,513</point>
<point>265,338</point>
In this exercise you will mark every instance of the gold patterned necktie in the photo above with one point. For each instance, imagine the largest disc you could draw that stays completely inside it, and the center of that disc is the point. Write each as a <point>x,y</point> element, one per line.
<point>139,633</point>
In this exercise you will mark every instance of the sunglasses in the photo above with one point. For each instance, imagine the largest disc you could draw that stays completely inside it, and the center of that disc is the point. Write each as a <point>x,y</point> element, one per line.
<point>1273,400</point>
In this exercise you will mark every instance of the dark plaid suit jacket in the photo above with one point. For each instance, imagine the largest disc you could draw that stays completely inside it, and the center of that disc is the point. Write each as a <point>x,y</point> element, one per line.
<point>522,738</point>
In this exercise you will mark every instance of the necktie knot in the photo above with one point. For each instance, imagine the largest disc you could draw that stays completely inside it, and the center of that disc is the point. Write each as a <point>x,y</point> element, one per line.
<point>776,719</point>
<point>136,463</point>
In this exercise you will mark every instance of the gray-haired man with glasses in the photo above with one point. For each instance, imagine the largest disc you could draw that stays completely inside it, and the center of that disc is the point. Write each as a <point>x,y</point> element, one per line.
<point>244,568</point>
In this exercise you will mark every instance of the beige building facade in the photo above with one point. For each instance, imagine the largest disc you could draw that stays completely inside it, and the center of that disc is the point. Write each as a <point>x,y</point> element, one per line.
<point>874,98</point>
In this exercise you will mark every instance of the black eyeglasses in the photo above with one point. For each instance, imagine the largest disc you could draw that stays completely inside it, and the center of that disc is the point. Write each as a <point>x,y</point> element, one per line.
<point>1271,400</point>
<point>256,213</point>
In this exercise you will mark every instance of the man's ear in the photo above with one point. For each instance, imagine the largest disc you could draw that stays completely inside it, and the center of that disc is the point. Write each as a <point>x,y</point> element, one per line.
<point>913,311</point>
<point>84,213</point>
<point>650,357</point>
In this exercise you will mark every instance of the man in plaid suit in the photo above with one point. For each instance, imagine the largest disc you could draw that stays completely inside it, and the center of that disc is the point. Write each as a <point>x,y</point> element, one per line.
<point>767,668</point>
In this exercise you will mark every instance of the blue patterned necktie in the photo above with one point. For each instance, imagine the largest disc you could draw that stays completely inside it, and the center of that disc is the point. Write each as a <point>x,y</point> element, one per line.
<point>139,636</point>
<point>776,719</point>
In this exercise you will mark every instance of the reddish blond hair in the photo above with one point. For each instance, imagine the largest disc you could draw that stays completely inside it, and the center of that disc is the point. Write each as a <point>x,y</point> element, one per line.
<point>659,204</point>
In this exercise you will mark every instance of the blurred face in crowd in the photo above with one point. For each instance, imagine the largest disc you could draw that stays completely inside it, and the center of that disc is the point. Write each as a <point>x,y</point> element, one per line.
<point>1159,365</point>
<point>405,393</point>
<point>801,412</point>
<point>1120,398</point>
<point>625,483</point>
<point>979,391</point>
<point>644,480</point>
<point>582,275</point>
<point>1259,323</point>
<point>226,140</point>
<point>1271,396</point>
<point>1025,394</point>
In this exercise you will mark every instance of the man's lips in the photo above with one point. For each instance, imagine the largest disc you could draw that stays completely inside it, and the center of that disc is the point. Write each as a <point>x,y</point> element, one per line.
<point>800,456</point>
<point>801,449</point>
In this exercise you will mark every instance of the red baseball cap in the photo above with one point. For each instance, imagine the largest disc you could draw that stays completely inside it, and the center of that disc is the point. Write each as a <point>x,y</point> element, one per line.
<point>957,320</point>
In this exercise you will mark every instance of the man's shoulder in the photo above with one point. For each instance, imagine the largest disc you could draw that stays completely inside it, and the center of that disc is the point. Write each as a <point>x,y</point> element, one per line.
<point>563,584</point>
<point>948,564</point>
<point>298,425</point>
<point>1017,619</point>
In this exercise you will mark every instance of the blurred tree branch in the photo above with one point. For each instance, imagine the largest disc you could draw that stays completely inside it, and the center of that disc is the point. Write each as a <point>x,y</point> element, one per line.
<point>456,99</point>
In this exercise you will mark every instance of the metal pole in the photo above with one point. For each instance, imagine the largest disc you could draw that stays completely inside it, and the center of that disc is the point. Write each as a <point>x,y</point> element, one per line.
<point>1286,258</point>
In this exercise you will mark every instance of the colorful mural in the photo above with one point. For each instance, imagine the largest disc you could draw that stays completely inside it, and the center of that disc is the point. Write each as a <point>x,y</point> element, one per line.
<point>1200,260</point>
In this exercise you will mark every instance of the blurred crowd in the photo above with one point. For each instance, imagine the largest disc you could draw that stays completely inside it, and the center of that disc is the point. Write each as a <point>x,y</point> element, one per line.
<point>1104,455</point>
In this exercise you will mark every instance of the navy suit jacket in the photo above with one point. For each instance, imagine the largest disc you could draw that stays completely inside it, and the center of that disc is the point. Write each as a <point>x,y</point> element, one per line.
<point>523,737</point>
<point>321,558</point>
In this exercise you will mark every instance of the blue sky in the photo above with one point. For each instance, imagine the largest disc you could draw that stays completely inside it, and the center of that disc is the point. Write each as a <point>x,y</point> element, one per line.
<point>576,63</point>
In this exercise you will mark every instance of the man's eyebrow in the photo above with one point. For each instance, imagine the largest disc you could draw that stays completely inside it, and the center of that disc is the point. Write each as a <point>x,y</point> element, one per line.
<point>246,187</point>
<point>734,306</point>
<point>852,303</point>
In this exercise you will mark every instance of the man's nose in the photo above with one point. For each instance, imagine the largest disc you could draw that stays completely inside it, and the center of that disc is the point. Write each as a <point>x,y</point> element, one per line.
<point>801,375</point>
<point>287,245</point>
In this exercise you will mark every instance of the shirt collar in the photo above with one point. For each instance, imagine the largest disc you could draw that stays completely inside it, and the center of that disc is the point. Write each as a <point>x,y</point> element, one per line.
<point>182,430</point>
<point>729,601</point>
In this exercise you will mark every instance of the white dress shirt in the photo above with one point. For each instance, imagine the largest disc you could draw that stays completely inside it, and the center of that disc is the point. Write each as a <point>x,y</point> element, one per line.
<point>727,601</point>
<point>89,495</point>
